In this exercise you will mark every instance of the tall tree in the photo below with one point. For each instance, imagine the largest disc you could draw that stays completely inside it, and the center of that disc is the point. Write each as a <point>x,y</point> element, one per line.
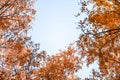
<point>100,37</point>
<point>16,48</point>
<point>19,56</point>
<point>62,66</point>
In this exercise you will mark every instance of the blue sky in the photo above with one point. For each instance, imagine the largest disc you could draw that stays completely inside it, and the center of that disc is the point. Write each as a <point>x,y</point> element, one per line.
<point>54,25</point>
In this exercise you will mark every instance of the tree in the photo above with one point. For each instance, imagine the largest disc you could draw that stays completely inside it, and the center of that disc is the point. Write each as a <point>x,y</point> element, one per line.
<point>19,56</point>
<point>100,37</point>
<point>16,48</point>
<point>62,66</point>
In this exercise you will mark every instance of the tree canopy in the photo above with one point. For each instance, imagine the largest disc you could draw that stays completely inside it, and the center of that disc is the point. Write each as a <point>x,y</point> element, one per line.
<point>20,58</point>
<point>100,38</point>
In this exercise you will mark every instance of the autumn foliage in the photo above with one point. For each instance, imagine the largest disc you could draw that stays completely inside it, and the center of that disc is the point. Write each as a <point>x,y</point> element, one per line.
<point>20,58</point>
<point>62,66</point>
<point>15,46</point>
<point>100,38</point>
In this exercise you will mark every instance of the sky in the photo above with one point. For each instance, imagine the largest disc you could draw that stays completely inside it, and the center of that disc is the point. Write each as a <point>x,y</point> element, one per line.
<point>55,27</point>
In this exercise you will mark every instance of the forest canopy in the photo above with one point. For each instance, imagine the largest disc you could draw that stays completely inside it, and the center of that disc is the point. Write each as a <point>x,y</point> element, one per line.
<point>20,58</point>
<point>100,38</point>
